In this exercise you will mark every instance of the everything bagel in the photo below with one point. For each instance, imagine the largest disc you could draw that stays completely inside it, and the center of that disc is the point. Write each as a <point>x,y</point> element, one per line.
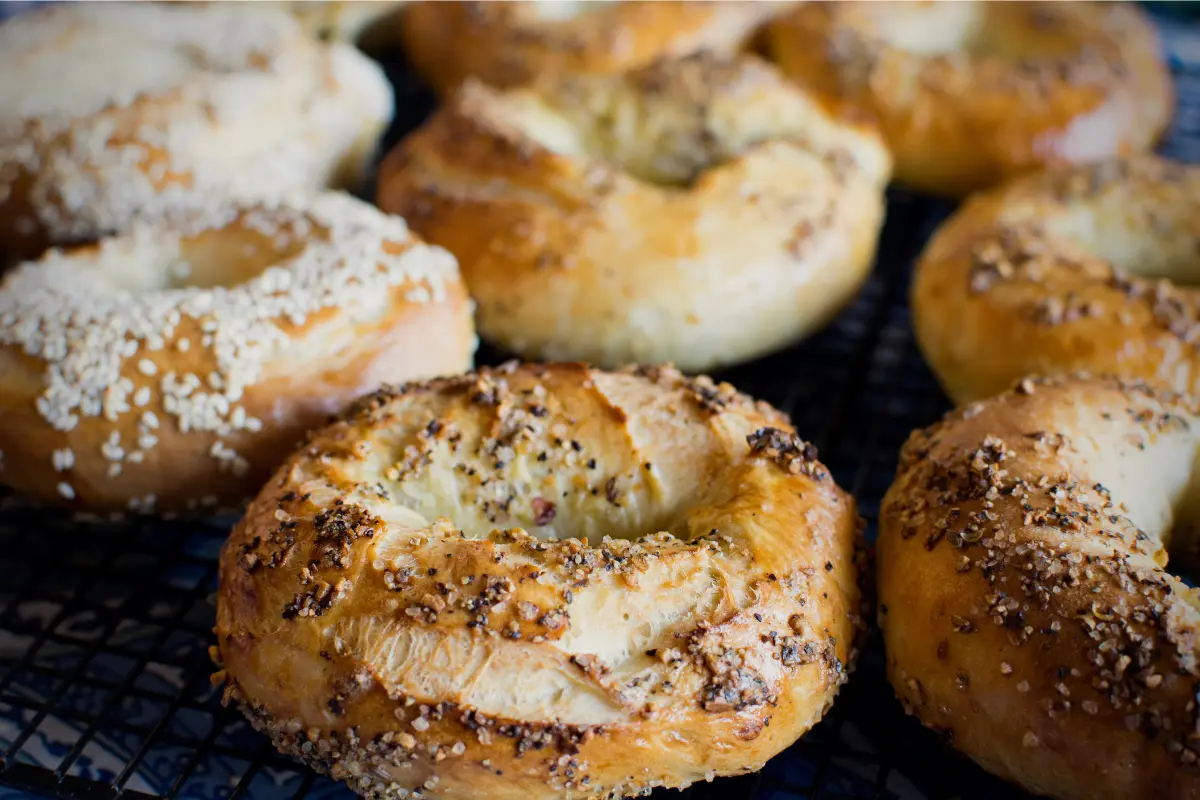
<point>1090,268</point>
<point>700,211</point>
<point>970,93</point>
<point>507,44</point>
<point>176,364</point>
<point>542,582</point>
<point>115,110</point>
<point>1025,603</point>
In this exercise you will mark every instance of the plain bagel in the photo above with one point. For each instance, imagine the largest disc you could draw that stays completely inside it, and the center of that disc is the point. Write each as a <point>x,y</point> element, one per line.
<point>1090,268</point>
<point>508,44</point>
<point>542,582</point>
<point>114,110</point>
<point>970,93</point>
<point>700,211</point>
<point>1025,601</point>
<point>176,364</point>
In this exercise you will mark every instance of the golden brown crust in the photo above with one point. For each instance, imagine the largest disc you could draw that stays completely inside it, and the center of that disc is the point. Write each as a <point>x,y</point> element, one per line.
<point>1024,600</point>
<point>699,210</point>
<point>171,105</point>
<point>507,44</point>
<point>175,365</point>
<point>542,582</point>
<point>1089,268</point>
<point>970,93</point>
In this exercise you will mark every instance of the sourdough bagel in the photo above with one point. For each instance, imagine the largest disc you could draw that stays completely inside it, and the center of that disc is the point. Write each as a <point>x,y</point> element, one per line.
<point>1024,598</point>
<point>970,93</point>
<point>178,363</point>
<point>111,110</point>
<point>700,211</point>
<point>1067,270</point>
<point>542,582</point>
<point>507,44</point>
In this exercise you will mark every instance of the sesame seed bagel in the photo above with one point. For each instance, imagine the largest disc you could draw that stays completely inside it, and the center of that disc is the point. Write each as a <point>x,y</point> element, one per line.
<point>542,582</point>
<point>1088,268</point>
<point>112,110</point>
<point>1026,607</point>
<point>507,44</point>
<point>970,93</point>
<point>178,363</point>
<point>700,211</point>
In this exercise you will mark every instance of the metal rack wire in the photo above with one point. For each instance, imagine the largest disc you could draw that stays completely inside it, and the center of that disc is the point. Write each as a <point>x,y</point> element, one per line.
<point>104,628</point>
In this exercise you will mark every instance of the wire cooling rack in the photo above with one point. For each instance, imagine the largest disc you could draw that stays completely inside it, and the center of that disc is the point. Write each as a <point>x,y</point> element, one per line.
<point>104,628</point>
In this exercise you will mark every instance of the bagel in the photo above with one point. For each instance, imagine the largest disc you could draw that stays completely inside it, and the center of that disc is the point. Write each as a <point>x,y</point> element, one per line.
<point>1088,268</point>
<point>699,211</point>
<point>970,93</point>
<point>178,363</point>
<point>1025,602</point>
<point>507,44</point>
<point>114,110</point>
<point>542,582</point>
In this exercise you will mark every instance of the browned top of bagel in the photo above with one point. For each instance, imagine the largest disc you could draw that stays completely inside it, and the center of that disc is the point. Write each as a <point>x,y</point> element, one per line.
<point>970,93</point>
<point>1024,597</point>
<point>700,210</point>
<point>543,581</point>
<point>1089,268</point>
<point>509,43</point>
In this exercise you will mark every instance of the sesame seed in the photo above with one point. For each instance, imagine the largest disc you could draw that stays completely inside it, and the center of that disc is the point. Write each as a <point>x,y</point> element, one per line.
<point>63,459</point>
<point>65,490</point>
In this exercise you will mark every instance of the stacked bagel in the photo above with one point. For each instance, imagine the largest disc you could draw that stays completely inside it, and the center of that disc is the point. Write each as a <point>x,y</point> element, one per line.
<point>216,297</point>
<point>599,575</point>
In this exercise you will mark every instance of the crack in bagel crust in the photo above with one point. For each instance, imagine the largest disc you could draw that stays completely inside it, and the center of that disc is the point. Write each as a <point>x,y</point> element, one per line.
<point>176,365</point>
<point>542,581</point>
<point>171,106</point>
<point>1091,268</point>
<point>968,94</point>
<point>600,218</point>
<point>1024,600</point>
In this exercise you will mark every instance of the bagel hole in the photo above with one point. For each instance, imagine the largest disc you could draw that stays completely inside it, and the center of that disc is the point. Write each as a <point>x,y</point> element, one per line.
<point>671,155</point>
<point>233,256</point>
<point>225,258</point>
<point>1119,236</point>
<point>1183,538</point>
